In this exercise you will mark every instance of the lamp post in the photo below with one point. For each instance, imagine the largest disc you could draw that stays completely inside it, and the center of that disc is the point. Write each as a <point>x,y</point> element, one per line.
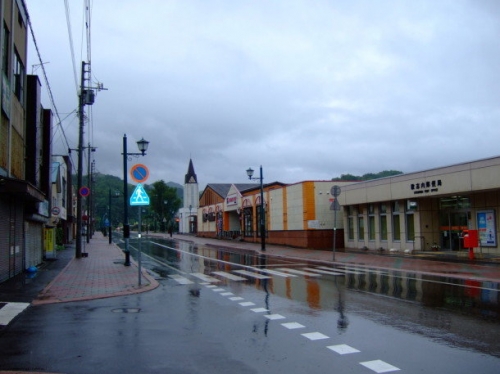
<point>262,210</point>
<point>143,147</point>
<point>117,194</point>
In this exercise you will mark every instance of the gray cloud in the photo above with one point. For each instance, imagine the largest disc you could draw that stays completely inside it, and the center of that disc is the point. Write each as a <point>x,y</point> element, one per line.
<point>308,89</point>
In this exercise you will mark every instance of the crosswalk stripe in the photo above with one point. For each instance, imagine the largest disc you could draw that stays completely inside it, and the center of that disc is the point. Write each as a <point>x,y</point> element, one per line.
<point>274,272</point>
<point>10,311</point>
<point>348,271</point>
<point>299,272</point>
<point>205,278</point>
<point>252,275</point>
<point>229,276</point>
<point>179,279</point>
<point>323,271</point>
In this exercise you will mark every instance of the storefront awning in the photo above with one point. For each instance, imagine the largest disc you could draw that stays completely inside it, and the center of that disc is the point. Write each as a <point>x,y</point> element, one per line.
<point>20,189</point>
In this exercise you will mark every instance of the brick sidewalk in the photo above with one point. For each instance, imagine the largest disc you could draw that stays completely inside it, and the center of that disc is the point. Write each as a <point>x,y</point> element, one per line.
<point>100,275</point>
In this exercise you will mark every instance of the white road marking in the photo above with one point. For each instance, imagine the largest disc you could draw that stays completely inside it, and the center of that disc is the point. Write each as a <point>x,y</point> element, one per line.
<point>227,294</point>
<point>236,298</point>
<point>274,316</point>
<point>247,303</point>
<point>323,271</point>
<point>259,310</point>
<point>299,272</point>
<point>229,276</point>
<point>205,278</point>
<point>218,289</point>
<point>292,325</point>
<point>10,311</point>
<point>179,279</point>
<point>315,336</point>
<point>342,349</point>
<point>252,275</point>
<point>379,366</point>
<point>274,272</point>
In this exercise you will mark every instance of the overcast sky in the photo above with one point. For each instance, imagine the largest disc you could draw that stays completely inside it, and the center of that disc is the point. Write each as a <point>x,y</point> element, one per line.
<point>308,89</point>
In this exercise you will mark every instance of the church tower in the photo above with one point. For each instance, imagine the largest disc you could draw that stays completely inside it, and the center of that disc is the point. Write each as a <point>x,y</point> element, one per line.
<point>188,213</point>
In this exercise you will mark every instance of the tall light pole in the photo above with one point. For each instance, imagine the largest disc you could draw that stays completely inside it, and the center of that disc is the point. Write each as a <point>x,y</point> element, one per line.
<point>262,209</point>
<point>143,147</point>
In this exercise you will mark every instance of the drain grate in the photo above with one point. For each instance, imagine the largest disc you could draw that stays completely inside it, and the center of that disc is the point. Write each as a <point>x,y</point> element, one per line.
<point>126,310</point>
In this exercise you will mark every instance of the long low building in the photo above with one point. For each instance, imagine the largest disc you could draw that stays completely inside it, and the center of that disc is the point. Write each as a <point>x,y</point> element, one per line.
<point>298,215</point>
<point>425,211</point>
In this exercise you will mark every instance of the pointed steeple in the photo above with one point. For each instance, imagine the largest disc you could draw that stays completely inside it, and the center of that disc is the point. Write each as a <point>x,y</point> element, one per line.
<point>191,175</point>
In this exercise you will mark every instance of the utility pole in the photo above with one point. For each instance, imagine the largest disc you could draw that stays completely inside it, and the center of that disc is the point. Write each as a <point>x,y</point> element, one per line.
<point>81,105</point>
<point>86,98</point>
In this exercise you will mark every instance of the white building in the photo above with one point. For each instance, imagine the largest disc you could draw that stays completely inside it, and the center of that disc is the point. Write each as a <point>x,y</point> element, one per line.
<point>187,214</point>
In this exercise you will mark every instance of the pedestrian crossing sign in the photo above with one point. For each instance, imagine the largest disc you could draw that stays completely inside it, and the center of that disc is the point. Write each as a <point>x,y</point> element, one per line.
<point>139,196</point>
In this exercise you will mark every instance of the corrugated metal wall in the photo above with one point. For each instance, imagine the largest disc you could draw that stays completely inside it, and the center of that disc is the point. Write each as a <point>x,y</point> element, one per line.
<point>11,239</point>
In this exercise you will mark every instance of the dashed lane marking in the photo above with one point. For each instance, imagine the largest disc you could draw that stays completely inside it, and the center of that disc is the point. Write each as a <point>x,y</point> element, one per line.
<point>293,325</point>
<point>247,303</point>
<point>379,366</point>
<point>342,349</point>
<point>274,316</point>
<point>315,336</point>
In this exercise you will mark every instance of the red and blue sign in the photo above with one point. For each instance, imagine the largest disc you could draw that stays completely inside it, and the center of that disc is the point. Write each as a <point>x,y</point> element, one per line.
<point>139,173</point>
<point>84,191</point>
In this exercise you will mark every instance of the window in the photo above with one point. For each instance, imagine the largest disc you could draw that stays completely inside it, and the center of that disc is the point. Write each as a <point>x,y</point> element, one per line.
<point>5,51</point>
<point>371,222</point>
<point>383,221</point>
<point>410,225</point>
<point>19,75</point>
<point>396,223</point>
<point>350,223</point>
<point>361,225</point>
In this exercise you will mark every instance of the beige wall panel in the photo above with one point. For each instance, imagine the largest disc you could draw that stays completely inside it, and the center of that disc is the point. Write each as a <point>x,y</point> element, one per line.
<point>276,212</point>
<point>295,207</point>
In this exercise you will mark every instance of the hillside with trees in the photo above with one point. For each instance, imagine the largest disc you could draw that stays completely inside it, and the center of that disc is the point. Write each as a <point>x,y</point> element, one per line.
<point>368,176</point>
<point>107,202</point>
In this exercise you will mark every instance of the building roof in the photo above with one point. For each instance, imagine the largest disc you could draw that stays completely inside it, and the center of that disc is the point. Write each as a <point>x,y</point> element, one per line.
<point>222,189</point>
<point>191,175</point>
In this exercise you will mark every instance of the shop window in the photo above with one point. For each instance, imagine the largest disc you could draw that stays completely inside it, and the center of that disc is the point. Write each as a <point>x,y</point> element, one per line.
<point>371,222</point>
<point>361,227</point>
<point>396,222</point>
<point>410,226</point>
<point>383,221</point>
<point>350,223</point>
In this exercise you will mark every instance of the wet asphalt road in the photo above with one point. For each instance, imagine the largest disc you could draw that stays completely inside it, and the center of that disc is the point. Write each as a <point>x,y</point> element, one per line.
<point>353,323</point>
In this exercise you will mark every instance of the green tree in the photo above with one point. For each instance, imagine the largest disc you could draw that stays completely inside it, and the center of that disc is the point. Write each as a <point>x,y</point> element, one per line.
<point>164,204</point>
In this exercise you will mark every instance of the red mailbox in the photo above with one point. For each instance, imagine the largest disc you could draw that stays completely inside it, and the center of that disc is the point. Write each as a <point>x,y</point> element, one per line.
<point>470,239</point>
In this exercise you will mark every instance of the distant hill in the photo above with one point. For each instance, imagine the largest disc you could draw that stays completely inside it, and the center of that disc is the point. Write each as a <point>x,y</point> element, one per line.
<point>368,176</point>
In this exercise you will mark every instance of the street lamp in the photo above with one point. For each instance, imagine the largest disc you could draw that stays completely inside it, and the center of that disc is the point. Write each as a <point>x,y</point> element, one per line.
<point>117,194</point>
<point>143,147</point>
<point>262,210</point>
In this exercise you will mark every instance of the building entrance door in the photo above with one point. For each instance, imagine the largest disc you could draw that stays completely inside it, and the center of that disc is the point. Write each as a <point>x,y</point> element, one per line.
<point>451,226</point>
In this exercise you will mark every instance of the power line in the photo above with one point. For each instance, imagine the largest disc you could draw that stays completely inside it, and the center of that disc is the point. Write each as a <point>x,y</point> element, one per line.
<point>72,49</point>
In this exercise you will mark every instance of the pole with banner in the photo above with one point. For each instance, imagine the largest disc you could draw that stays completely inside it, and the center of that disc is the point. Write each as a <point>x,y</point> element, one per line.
<point>335,206</point>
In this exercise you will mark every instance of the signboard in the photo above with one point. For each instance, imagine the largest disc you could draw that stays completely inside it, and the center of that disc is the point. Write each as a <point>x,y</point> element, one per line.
<point>139,196</point>
<point>139,173</point>
<point>84,191</point>
<point>487,228</point>
<point>56,210</point>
